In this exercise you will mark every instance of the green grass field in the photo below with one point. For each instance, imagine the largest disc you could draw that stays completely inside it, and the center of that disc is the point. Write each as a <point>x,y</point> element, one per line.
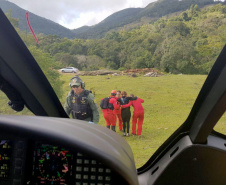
<point>167,103</point>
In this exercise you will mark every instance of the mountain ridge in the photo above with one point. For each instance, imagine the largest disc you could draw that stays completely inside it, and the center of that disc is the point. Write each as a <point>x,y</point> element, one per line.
<point>114,22</point>
<point>38,23</point>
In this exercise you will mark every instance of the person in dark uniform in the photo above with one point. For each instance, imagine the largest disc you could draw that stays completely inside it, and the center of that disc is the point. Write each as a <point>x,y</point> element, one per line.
<point>117,112</point>
<point>80,102</point>
<point>125,112</point>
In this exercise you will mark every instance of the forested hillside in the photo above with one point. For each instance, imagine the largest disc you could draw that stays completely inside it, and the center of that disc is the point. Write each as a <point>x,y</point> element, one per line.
<point>164,7</point>
<point>132,17</point>
<point>187,43</point>
<point>114,21</point>
<point>125,19</point>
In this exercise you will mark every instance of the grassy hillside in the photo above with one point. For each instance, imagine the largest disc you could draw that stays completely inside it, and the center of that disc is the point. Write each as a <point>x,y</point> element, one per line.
<point>167,103</point>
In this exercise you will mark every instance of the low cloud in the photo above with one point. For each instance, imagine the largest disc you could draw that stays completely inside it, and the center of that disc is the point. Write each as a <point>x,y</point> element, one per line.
<point>76,13</point>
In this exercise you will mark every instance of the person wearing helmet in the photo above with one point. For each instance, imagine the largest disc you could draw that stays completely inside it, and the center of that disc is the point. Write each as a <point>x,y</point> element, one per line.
<point>108,105</point>
<point>80,103</point>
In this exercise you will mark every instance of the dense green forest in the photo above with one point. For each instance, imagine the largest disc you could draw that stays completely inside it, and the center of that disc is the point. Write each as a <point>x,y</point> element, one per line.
<point>188,42</point>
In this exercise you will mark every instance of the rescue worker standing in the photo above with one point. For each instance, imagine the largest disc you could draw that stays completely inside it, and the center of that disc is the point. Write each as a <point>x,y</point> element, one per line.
<point>117,111</point>
<point>125,112</point>
<point>80,102</point>
<point>138,114</point>
<point>108,105</point>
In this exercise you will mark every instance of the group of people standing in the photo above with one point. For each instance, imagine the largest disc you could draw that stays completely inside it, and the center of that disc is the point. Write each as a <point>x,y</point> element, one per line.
<point>81,105</point>
<point>119,107</point>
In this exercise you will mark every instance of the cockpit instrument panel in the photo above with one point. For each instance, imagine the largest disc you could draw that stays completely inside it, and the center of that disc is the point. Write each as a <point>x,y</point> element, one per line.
<point>52,165</point>
<point>5,156</point>
<point>37,163</point>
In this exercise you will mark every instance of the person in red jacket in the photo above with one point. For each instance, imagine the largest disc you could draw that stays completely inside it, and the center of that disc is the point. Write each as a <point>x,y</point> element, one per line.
<point>117,111</point>
<point>138,114</point>
<point>108,113</point>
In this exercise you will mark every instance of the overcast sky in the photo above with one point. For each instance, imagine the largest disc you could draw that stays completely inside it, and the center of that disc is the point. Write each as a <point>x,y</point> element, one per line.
<point>76,13</point>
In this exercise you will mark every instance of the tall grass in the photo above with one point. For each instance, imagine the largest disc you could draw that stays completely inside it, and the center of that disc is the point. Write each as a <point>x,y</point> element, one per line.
<point>167,103</point>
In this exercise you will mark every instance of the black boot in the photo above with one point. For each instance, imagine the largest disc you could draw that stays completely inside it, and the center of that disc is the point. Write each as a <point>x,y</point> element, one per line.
<point>108,127</point>
<point>113,128</point>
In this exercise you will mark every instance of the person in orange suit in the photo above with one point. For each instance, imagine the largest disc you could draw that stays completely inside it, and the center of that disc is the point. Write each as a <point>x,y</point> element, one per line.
<point>117,111</point>
<point>138,114</point>
<point>108,113</point>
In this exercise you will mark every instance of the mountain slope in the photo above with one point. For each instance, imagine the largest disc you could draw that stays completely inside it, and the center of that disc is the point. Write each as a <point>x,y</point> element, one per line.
<point>163,7</point>
<point>130,17</point>
<point>113,21</point>
<point>39,24</point>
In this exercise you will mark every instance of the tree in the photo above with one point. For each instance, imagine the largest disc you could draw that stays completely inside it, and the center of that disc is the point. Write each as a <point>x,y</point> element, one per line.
<point>178,56</point>
<point>94,63</point>
<point>67,60</point>
<point>13,21</point>
<point>175,27</point>
<point>185,16</point>
<point>78,49</point>
<point>47,65</point>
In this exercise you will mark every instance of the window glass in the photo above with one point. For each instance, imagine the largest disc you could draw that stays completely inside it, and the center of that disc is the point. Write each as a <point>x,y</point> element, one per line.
<point>5,109</point>
<point>221,125</point>
<point>168,100</point>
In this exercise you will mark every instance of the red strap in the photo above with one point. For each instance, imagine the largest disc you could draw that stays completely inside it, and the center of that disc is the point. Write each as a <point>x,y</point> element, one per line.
<point>27,16</point>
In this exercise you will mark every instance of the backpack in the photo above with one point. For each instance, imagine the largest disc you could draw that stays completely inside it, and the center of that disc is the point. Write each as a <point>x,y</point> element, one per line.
<point>104,104</point>
<point>124,101</point>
